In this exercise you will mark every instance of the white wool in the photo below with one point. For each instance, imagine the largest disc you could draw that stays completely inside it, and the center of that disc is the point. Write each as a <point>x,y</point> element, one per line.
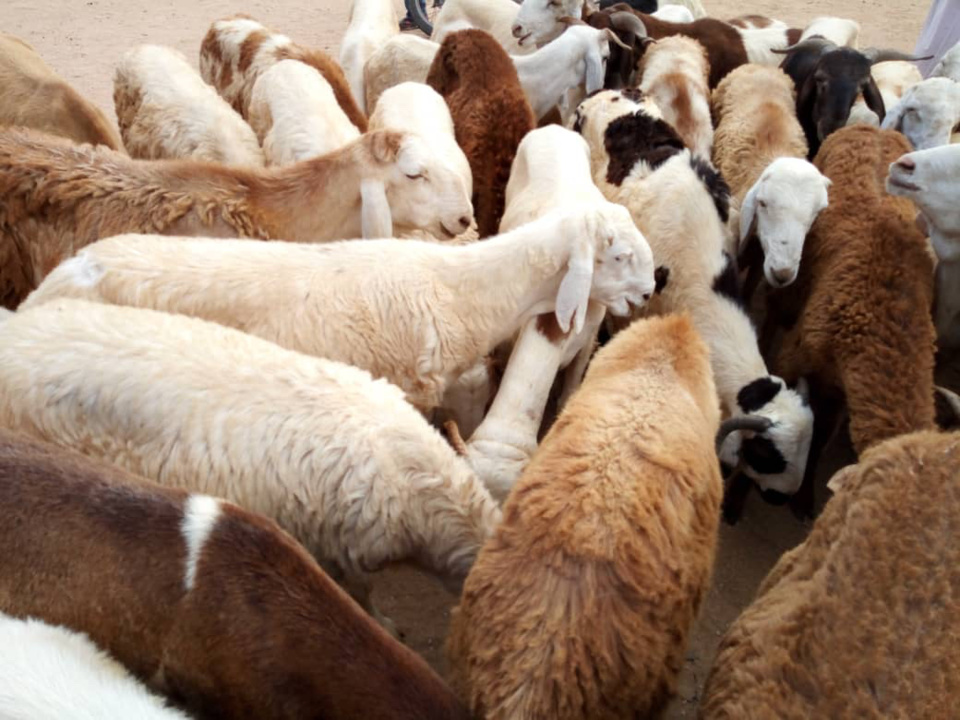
<point>840,31</point>
<point>493,16</point>
<point>199,518</point>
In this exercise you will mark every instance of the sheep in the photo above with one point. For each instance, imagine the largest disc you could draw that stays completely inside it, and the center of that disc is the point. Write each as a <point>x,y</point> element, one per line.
<point>949,65</point>
<point>237,49</point>
<point>580,605</point>
<point>166,110</point>
<point>674,73</point>
<point>759,148</point>
<point>680,204</point>
<point>493,16</point>
<point>212,605</point>
<point>339,460</point>
<point>490,114</point>
<point>417,108</point>
<point>840,31</point>
<point>369,25</point>
<point>893,79</point>
<point>860,619</point>
<point>828,79</point>
<point>676,14</point>
<point>295,114</point>
<point>930,178</point>
<point>859,312</point>
<point>33,95</point>
<point>59,198</point>
<point>416,313</point>
<point>50,673</point>
<point>928,113</point>
<point>404,58</point>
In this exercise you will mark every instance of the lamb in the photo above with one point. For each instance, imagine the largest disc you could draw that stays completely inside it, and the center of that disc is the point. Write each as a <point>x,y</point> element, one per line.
<point>50,673</point>
<point>339,460</point>
<point>860,619</point>
<point>295,114</point>
<point>33,95</point>
<point>416,313</point>
<point>893,79</point>
<point>212,605</point>
<point>760,149</point>
<point>928,113</point>
<point>580,605</point>
<point>949,65</point>
<point>490,114</point>
<point>680,204</point>
<point>674,73</point>
<point>59,198</point>
<point>840,31</point>
<point>493,16</point>
<point>237,49</point>
<point>370,24</point>
<point>166,110</point>
<point>859,312</point>
<point>417,108</point>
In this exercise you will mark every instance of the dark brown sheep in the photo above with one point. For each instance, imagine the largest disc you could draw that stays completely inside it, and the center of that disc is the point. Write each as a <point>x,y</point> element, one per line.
<point>490,113</point>
<point>212,605</point>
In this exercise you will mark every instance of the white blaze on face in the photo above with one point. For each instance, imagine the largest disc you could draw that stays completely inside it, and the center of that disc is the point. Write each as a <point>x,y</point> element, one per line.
<point>199,518</point>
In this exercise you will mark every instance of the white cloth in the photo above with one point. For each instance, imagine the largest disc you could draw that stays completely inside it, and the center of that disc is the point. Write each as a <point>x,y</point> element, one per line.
<point>940,32</point>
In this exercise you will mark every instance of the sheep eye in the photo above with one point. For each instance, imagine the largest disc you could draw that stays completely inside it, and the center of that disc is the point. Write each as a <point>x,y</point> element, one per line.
<point>762,203</point>
<point>418,176</point>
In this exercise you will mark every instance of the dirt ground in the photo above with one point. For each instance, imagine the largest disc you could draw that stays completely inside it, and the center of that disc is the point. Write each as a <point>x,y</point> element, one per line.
<point>83,40</point>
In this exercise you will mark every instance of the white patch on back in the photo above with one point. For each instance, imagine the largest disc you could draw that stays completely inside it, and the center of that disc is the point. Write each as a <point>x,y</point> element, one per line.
<point>82,270</point>
<point>199,518</point>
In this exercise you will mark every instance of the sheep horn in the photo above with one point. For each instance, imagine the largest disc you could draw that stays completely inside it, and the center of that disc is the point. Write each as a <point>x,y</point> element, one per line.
<point>454,437</point>
<point>953,400</point>
<point>814,41</point>
<point>612,37</point>
<point>875,55</point>
<point>756,423</point>
<point>628,22</point>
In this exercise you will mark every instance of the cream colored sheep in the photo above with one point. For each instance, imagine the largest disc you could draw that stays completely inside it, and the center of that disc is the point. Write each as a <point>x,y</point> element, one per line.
<point>166,110</point>
<point>404,58</point>
<point>369,25</point>
<point>581,603</point>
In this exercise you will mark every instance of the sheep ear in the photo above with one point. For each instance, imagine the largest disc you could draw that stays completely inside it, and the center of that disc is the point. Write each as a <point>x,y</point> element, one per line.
<point>594,79</point>
<point>805,97</point>
<point>748,212</point>
<point>894,119</point>
<point>841,477</point>
<point>574,293</point>
<point>375,219</point>
<point>874,100</point>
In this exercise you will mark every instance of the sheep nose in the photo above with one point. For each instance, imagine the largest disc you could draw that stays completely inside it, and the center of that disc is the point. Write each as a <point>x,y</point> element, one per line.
<point>782,276</point>
<point>907,165</point>
<point>517,31</point>
<point>464,222</point>
<point>646,296</point>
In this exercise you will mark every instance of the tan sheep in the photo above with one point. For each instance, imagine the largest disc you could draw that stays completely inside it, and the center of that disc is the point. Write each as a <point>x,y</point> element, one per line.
<point>859,621</point>
<point>580,604</point>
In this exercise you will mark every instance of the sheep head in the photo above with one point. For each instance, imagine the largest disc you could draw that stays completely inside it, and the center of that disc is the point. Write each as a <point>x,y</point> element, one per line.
<point>928,113</point>
<point>538,21</point>
<point>931,178</point>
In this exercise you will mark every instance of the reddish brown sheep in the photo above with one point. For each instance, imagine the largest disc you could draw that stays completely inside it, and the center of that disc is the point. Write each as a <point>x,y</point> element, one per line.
<point>490,114</point>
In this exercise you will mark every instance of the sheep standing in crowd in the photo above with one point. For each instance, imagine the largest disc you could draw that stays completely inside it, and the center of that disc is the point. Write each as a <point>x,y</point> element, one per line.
<point>338,459</point>
<point>928,114</point>
<point>490,114</point>
<point>166,110</point>
<point>860,619</point>
<point>370,24</point>
<point>213,606</point>
<point>59,198</point>
<point>33,95</point>
<point>580,605</point>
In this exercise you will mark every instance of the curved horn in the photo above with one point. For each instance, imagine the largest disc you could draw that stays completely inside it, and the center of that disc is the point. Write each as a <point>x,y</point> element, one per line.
<point>953,400</point>
<point>756,423</point>
<point>877,55</point>
<point>612,37</point>
<point>628,22</point>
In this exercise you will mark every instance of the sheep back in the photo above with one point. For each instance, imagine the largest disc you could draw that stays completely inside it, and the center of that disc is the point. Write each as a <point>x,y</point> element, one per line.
<point>858,621</point>
<point>580,604</point>
<point>490,114</point>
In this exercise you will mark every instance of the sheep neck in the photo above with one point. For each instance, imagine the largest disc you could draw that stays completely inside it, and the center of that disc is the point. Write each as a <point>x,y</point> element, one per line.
<point>546,74</point>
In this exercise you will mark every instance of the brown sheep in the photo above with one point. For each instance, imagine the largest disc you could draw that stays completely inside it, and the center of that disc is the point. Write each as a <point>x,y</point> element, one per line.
<point>490,114</point>
<point>861,620</point>
<point>580,604</point>
<point>237,49</point>
<point>859,311</point>
<point>32,95</point>
<point>212,605</point>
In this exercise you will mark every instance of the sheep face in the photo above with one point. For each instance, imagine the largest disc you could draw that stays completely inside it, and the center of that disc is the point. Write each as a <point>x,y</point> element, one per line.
<point>623,274</point>
<point>425,191</point>
<point>828,93</point>
<point>776,458</point>
<point>949,65</point>
<point>931,178</point>
<point>780,208</point>
<point>928,113</point>
<point>538,21</point>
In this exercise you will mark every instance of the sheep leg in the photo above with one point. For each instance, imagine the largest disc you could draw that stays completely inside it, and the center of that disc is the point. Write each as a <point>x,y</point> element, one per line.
<point>735,498</point>
<point>826,413</point>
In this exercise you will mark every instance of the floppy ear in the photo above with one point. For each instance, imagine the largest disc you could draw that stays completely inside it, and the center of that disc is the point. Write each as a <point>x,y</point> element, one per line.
<point>594,73</point>
<point>805,97</point>
<point>894,118</point>
<point>873,98</point>
<point>747,215</point>
<point>385,145</point>
<point>574,293</point>
<point>375,219</point>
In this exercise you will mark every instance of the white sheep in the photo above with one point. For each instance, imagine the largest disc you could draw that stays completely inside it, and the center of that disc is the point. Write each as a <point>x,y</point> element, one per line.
<point>295,114</point>
<point>840,31</point>
<point>417,108</point>
<point>676,13</point>
<point>338,459</point>
<point>493,16</point>
<point>949,65</point>
<point>402,58</point>
<point>927,113</point>
<point>679,203</point>
<point>48,672</point>
<point>416,313</point>
<point>166,110</point>
<point>893,78</point>
<point>369,25</point>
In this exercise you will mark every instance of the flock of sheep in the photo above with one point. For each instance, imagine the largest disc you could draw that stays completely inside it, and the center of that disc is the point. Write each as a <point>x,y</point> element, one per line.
<point>210,443</point>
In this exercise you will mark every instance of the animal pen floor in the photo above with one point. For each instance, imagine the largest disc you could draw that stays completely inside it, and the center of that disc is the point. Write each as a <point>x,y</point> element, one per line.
<point>84,39</point>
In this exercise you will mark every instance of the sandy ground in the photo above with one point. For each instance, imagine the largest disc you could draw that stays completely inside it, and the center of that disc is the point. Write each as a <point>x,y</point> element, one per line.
<point>83,40</point>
